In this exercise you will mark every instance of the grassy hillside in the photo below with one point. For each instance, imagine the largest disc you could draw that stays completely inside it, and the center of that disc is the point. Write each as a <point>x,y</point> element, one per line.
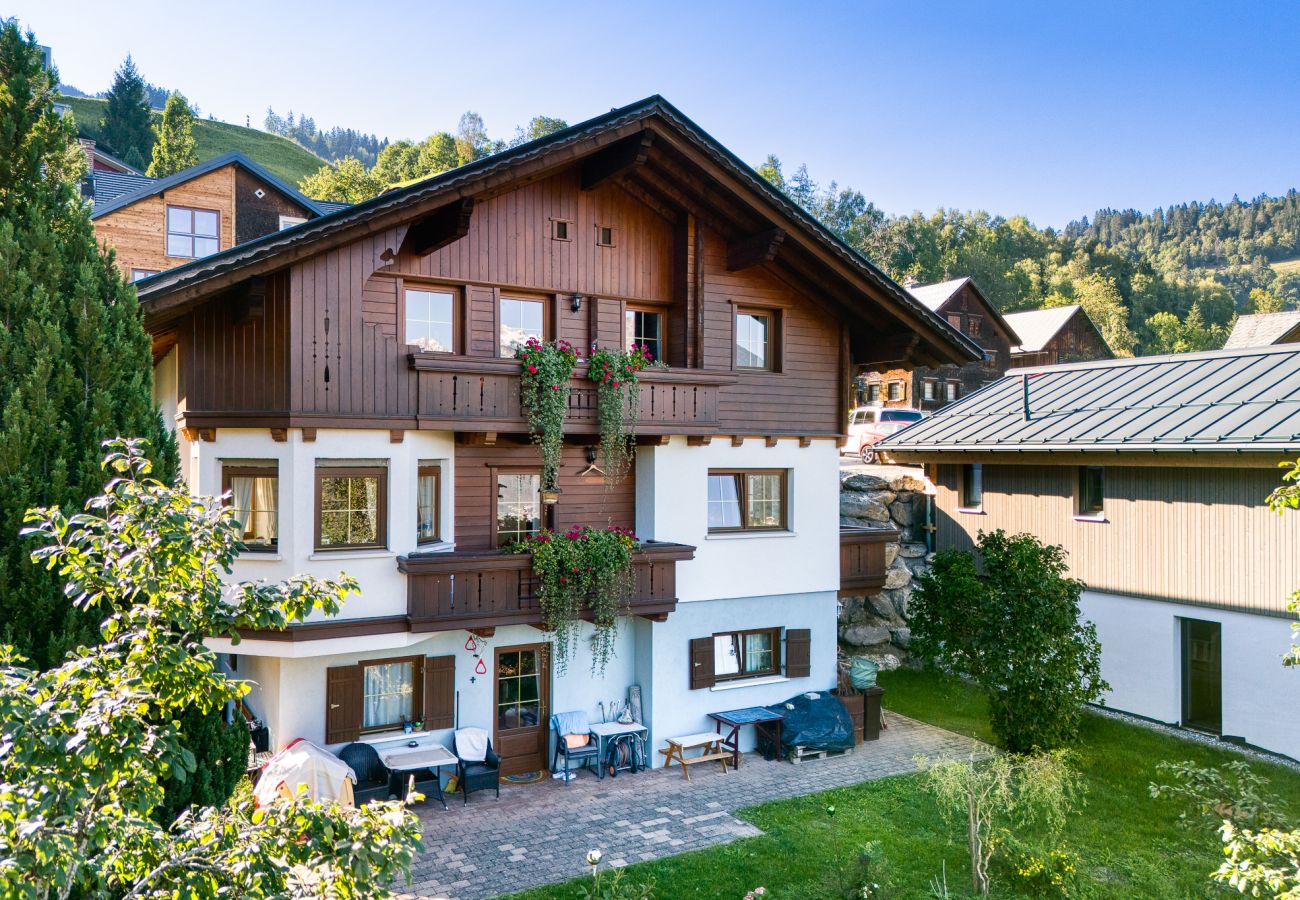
<point>279,155</point>
<point>1285,266</point>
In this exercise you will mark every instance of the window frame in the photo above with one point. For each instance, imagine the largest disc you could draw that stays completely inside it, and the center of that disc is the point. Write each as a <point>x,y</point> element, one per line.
<point>423,470</point>
<point>252,470</point>
<point>895,386</point>
<point>929,389</point>
<point>568,229</point>
<point>951,391</point>
<point>635,310</point>
<point>291,221</point>
<point>873,392</point>
<point>1080,494</point>
<point>167,231</point>
<point>772,358</point>
<point>417,692</point>
<point>139,274</point>
<point>381,503</point>
<point>743,496</point>
<point>777,655</point>
<point>971,481</point>
<point>457,316</point>
<point>544,302</point>
<point>495,473</point>
<point>600,229</point>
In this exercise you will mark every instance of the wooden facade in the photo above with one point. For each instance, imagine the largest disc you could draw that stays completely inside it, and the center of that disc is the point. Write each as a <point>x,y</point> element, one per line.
<point>1077,341</point>
<point>1191,534</point>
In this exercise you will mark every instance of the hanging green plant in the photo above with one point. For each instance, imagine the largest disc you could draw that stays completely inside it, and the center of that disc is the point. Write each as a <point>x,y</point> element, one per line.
<point>618,399</point>
<point>584,569</point>
<point>545,370</point>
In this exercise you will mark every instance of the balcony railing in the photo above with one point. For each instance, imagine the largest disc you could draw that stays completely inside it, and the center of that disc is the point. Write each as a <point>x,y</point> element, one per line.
<point>483,393</point>
<point>862,559</point>
<point>485,589</point>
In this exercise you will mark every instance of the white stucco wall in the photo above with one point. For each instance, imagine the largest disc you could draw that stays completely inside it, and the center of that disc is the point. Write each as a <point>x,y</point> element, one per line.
<point>671,505</point>
<point>1141,658</point>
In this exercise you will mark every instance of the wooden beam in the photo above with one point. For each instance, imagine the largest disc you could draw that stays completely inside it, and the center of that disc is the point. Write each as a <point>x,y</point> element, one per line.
<point>892,351</point>
<point>279,435</point>
<point>656,617</point>
<point>771,440</point>
<point>396,435</point>
<point>308,435</point>
<point>207,435</point>
<point>622,157</point>
<point>699,440</point>
<point>476,438</point>
<point>737,440</point>
<point>445,225</point>
<point>754,250</point>
<point>484,633</point>
<point>805,441</point>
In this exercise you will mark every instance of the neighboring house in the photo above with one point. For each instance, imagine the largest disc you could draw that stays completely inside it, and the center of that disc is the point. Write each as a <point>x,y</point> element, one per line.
<point>1059,334</point>
<point>961,303</point>
<point>1152,473</point>
<point>1264,329</point>
<point>358,369</point>
<point>98,161</point>
<point>156,224</point>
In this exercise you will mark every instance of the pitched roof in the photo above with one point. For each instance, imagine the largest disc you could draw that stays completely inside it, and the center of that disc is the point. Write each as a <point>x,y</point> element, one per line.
<point>460,182</point>
<point>157,186</point>
<point>936,295</point>
<point>1222,400</point>
<point>1037,327</point>
<point>1263,329</point>
<point>108,186</point>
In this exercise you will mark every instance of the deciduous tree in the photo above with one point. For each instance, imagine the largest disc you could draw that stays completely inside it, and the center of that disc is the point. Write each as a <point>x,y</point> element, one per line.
<point>346,182</point>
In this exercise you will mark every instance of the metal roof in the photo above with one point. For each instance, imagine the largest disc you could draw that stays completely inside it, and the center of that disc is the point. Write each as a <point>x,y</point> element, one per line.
<point>1223,400</point>
<point>463,178</point>
<point>936,295</point>
<point>164,184</point>
<point>1262,329</point>
<point>1037,327</point>
<point>108,186</point>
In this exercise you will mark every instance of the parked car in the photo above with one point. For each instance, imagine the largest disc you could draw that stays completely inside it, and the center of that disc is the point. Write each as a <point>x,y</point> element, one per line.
<point>868,425</point>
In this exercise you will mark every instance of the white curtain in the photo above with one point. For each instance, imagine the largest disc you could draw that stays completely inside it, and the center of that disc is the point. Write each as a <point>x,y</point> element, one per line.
<point>424,501</point>
<point>387,690</point>
<point>265,522</point>
<point>726,659</point>
<point>241,500</point>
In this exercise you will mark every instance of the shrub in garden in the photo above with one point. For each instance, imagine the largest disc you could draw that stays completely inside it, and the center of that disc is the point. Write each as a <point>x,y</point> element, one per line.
<point>1010,623</point>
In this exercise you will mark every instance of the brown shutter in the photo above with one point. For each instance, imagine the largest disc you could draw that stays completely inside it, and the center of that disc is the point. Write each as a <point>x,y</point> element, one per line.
<point>702,663</point>
<point>798,652</point>
<point>342,704</point>
<point>439,692</point>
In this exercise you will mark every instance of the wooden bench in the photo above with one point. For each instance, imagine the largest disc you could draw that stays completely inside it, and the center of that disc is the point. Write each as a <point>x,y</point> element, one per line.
<point>707,741</point>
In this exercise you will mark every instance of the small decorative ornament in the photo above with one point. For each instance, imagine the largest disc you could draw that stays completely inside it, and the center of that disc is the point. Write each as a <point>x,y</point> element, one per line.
<point>481,668</point>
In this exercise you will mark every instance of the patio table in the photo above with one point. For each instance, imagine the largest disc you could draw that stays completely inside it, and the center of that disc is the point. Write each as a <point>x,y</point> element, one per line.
<point>402,761</point>
<point>766,724</point>
<point>606,730</point>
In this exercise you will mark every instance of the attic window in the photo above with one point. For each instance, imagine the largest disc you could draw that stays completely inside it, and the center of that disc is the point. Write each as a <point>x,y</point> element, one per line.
<point>560,230</point>
<point>259,193</point>
<point>604,236</point>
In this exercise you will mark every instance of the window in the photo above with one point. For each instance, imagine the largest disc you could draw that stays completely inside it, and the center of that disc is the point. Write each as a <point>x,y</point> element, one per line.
<point>754,340</point>
<point>428,499</point>
<point>518,506</point>
<point>950,390</point>
<point>604,236</point>
<point>929,389</point>
<point>1092,492</point>
<point>873,392</point>
<point>351,507</point>
<point>972,487</point>
<point>388,693</point>
<point>431,320</point>
<point>746,654</point>
<point>520,320</point>
<point>747,501</point>
<point>644,328</point>
<point>253,493</point>
<point>290,221</point>
<point>192,233</point>
<point>973,326</point>
<point>955,321</point>
<point>895,390</point>
<point>137,274</point>
<point>560,230</point>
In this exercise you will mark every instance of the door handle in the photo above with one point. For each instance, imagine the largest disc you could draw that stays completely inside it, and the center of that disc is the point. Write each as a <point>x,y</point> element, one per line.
<point>334,706</point>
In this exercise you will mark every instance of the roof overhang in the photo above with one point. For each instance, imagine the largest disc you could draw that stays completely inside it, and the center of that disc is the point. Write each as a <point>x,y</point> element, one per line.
<point>609,146</point>
<point>1168,457</point>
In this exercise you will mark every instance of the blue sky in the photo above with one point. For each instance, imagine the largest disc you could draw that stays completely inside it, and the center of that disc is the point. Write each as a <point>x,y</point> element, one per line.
<point>1045,109</point>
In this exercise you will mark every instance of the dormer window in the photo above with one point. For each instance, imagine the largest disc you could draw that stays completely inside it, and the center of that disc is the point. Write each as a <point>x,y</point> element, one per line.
<point>192,233</point>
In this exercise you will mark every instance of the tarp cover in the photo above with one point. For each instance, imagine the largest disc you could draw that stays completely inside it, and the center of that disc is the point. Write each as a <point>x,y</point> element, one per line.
<point>326,776</point>
<point>816,721</point>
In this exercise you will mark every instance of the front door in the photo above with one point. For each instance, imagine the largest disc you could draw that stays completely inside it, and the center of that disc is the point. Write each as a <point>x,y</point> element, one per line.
<point>523,703</point>
<point>1202,676</point>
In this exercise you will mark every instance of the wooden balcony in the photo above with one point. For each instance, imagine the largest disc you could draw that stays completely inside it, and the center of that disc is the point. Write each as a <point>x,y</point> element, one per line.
<point>862,559</point>
<point>485,589</point>
<point>482,394</point>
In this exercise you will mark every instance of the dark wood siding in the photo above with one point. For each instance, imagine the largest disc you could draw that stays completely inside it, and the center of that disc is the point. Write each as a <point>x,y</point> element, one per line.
<point>256,216</point>
<point>586,501</point>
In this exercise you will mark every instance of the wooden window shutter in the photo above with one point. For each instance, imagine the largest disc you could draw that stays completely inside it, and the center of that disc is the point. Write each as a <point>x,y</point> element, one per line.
<point>342,704</point>
<point>798,652</point>
<point>702,663</point>
<point>439,692</point>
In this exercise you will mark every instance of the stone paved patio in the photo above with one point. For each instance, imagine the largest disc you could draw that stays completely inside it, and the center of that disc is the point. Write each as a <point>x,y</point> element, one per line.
<point>539,833</point>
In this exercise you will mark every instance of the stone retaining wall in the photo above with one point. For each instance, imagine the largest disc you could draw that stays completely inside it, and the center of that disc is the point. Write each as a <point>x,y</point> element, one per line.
<point>876,626</point>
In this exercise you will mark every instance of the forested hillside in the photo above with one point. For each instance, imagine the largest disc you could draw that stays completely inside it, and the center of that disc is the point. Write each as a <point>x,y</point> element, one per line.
<point>1168,281</point>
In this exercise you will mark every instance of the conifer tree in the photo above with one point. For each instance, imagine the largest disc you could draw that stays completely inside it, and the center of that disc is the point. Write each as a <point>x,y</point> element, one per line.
<point>75,365</point>
<point>173,150</point>
<point>126,128</point>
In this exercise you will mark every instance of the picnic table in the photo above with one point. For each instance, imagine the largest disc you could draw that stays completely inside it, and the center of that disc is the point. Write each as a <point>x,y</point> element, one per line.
<point>404,761</point>
<point>766,724</point>
<point>706,741</point>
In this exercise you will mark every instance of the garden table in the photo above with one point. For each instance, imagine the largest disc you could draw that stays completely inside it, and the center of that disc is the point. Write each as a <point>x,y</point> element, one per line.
<point>404,761</point>
<point>766,724</point>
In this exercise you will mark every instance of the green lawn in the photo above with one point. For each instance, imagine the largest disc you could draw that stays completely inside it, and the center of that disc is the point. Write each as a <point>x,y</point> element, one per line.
<point>1129,845</point>
<point>280,156</point>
